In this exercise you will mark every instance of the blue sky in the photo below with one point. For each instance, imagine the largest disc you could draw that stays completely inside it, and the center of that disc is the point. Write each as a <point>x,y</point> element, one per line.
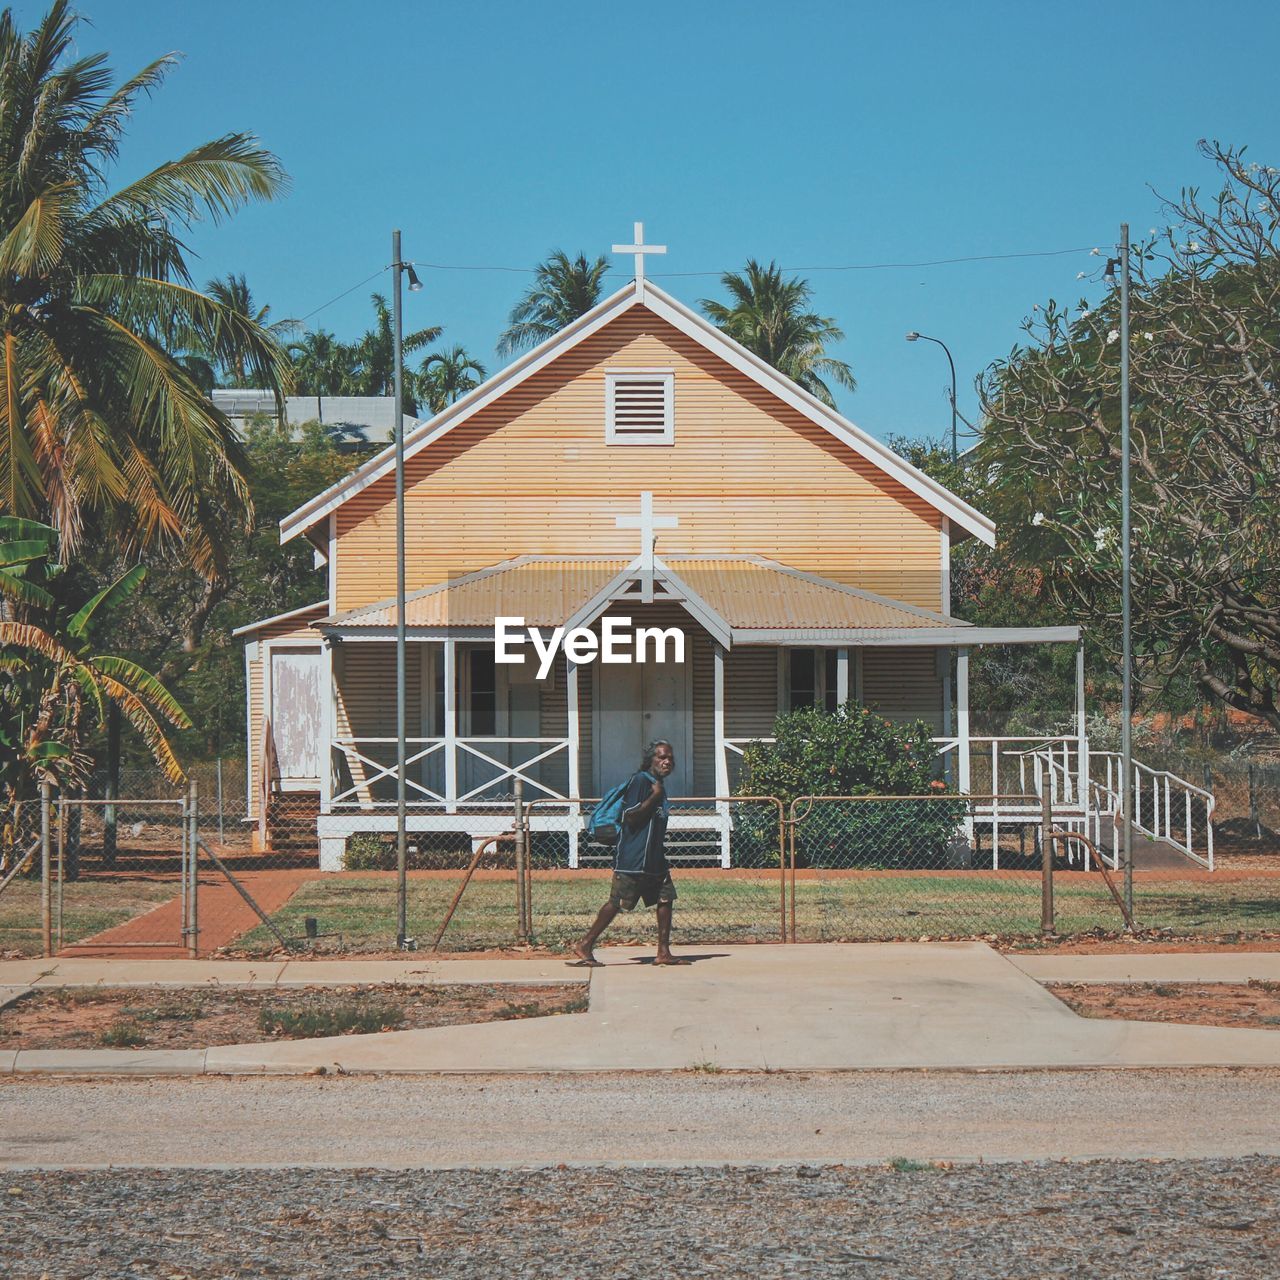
<point>819,134</point>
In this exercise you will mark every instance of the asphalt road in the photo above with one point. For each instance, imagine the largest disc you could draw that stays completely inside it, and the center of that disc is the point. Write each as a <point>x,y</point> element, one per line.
<point>442,1122</point>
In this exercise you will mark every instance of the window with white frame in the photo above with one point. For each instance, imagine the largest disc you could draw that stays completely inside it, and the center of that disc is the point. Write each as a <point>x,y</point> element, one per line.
<point>809,678</point>
<point>640,406</point>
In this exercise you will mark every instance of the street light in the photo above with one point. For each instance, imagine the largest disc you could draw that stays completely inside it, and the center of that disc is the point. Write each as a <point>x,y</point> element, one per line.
<point>400,269</point>
<point>913,336</point>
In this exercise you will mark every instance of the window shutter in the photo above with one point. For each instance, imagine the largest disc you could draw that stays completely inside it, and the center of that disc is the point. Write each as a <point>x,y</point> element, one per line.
<point>639,408</point>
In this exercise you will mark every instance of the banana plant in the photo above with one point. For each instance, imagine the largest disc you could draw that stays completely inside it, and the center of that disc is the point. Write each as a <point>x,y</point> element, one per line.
<point>54,683</point>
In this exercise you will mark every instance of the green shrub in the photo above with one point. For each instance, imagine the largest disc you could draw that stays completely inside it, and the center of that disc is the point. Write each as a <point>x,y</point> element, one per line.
<point>123,1035</point>
<point>430,850</point>
<point>847,752</point>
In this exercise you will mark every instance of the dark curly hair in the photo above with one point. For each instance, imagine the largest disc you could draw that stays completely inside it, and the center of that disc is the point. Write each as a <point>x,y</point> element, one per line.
<point>652,748</point>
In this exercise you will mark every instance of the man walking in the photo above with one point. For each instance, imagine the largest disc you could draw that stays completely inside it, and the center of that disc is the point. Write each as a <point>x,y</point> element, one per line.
<point>640,870</point>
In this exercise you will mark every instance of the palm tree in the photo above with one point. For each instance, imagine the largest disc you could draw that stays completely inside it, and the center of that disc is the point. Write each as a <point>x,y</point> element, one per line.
<point>375,352</point>
<point>322,366</point>
<point>769,316</point>
<point>446,375</point>
<point>103,429</point>
<point>562,290</point>
<point>232,292</point>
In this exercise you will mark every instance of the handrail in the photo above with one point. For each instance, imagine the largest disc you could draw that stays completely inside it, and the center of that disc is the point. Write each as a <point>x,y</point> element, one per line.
<point>466,880</point>
<point>1060,835</point>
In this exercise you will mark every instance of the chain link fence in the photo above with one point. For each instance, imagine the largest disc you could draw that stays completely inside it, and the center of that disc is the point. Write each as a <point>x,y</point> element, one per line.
<point>746,870</point>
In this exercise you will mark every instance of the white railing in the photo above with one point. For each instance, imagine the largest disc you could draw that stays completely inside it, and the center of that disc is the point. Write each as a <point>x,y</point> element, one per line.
<point>1165,806</point>
<point>366,767</point>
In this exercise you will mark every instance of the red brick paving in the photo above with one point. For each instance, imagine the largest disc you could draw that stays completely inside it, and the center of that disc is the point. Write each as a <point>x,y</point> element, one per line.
<point>223,917</point>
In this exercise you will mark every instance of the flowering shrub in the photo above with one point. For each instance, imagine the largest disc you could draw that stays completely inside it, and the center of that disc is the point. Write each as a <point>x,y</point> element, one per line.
<point>854,752</point>
<point>847,752</point>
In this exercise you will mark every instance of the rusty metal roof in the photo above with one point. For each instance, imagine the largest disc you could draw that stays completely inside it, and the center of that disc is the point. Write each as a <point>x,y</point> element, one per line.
<point>748,592</point>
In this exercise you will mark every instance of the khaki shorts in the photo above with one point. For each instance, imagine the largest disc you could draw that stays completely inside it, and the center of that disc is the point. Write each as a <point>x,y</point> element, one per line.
<point>627,890</point>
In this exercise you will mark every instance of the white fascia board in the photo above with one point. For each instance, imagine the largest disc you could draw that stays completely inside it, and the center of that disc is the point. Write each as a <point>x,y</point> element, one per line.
<point>760,371</point>
<point>280,617</point>
<point>427,433</point>
<point>358,634</point>
<point>693,604</point>
<point>930,637</point>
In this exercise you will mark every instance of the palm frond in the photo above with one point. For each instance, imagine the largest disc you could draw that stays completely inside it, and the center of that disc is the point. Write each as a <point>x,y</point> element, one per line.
<point>144,684</point>
<point>109,597</point>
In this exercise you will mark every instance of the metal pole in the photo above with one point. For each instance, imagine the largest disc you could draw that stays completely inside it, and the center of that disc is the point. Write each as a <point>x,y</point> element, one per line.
<point>46,908</point>
<point>1046,861</point>
<point>402,885</point>
<point>221,836</point>
<point>1126,696</point>
<point>193,914</point>
<point>62,864</point>
<point>521,931</point>
<point>46,923</point>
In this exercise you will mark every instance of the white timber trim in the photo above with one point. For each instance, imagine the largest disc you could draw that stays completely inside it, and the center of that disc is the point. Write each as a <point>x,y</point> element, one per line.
<point>333,562</point>
<point>450,726</point>
<point>964,767</point>
<point>329,694</point>
<point>945,539</point>
<point>251,655</point>
<point>250,627</point>
<point>1082,735</point>
<point>842,676</point>
<point>573,728</point>
<point>934,637</point>
<point>692,326</point>
<point>722,763</point>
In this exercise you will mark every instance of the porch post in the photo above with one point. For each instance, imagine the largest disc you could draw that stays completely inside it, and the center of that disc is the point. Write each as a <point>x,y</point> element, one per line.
<point>329,732</point>
<point>949,760</point>
<point>1082,736</point>
<point>842,677</point>
<point>450,734</point>
<point>962,719</point>
<point>722,763</point>
<point>572,729</point>
<point>722,760</point>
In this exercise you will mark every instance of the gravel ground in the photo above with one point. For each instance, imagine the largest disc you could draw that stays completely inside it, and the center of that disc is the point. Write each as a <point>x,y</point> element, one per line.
<point>1135,1219</point>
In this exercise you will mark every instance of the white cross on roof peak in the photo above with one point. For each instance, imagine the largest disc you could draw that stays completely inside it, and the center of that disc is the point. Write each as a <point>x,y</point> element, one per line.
<point>639,248</point>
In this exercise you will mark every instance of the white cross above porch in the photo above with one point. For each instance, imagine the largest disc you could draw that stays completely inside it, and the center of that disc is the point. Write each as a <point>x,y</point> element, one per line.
<point>648,523</point>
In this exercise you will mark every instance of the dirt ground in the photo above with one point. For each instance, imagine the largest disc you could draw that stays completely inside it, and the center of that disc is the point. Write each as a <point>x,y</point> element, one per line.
<point>196,1018</point>
<point>1217,1004</point>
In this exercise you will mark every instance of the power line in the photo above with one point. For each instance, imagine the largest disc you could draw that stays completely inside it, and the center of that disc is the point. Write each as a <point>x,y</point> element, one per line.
<point>686,275</point>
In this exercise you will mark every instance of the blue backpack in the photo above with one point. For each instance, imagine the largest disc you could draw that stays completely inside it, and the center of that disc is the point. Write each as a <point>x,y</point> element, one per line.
<point>604,824</point>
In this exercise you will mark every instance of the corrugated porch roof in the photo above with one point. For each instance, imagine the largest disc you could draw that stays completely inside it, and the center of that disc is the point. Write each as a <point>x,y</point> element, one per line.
<point>748,592</point>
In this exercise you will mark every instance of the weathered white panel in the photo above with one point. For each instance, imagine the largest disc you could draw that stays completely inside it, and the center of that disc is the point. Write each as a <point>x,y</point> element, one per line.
<point>297,713</point>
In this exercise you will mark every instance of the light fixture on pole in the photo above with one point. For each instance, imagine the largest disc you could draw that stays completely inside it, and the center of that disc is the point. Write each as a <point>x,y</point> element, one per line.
<point>398,270</point>
<point>913,336</point>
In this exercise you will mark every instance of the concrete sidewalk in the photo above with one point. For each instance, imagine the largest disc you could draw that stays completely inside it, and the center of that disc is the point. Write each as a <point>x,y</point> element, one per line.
<point>1203,966</point>
<point>875,1006</point>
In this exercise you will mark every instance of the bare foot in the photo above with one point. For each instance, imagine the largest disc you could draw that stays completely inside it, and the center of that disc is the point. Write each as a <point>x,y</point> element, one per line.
<point>586,957</point>
<point>665,957</point>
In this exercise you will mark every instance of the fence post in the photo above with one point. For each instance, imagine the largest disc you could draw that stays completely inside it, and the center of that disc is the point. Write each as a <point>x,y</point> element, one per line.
<point>1046,862</point>
<point>1253,803</point>
<point>193,914</point>
<point>46,905</point>
<point>518,827</point>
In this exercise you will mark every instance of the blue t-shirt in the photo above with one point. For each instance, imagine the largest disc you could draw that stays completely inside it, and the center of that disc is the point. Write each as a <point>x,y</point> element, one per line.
<point>640,849</point>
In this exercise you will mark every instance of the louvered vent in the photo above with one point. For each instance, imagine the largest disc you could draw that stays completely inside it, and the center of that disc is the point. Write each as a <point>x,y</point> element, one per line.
<point>640,407</point>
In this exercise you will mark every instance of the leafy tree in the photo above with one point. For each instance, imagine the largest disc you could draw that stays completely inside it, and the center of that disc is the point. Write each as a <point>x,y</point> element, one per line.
<point>446,375</point>
<point>1205,378</point>
<point>563,289</point>
<point>55,683</point>
<point>105,431</point>
<point>770,317</point>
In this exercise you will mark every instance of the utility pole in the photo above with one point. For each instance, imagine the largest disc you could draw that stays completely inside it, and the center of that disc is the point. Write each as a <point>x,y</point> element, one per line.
<point>402,930</point>
<point>1126,623</point>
